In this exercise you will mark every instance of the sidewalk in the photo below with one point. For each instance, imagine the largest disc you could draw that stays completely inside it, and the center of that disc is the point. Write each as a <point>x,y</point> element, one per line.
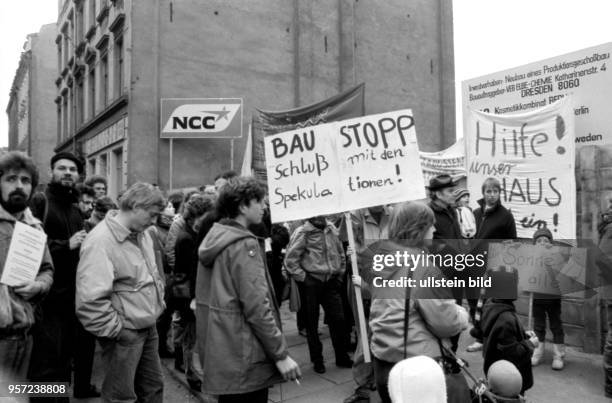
<point>580,381</point>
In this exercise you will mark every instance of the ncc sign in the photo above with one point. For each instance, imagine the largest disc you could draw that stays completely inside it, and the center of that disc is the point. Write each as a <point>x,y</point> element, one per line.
<point>201,118</point>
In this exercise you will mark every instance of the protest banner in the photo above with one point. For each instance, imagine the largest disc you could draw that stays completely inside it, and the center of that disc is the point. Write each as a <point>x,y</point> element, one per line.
<point>342,166</point>
<point>552,270</point>
<point>532,155</point>
<point>584,74</point>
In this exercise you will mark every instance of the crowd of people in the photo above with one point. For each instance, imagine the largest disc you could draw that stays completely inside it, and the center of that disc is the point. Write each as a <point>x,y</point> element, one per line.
<point>200,277</point>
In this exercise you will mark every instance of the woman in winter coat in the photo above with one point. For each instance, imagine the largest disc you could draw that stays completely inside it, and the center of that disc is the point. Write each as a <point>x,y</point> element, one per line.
<point>433,316</point>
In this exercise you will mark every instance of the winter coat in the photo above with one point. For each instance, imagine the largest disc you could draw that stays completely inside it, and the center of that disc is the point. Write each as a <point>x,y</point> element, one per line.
<point>505,339</point>
<point>62,220</point>
<point>177,226</point>
<point>237,321</point>
<point>316,252</point>
<point>186,258</point>
<point>446,226</point>
<point>17,314</point>
<point>496,223</point>
<point>434,316</point>
<point>605,262</point>
<point>118,282</point>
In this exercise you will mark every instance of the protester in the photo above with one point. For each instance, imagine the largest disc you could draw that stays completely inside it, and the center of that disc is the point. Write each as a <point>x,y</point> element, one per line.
<point>430,316</point>
<point>503,334</point>
<point>18,177</point>
<point>547,305</point>
<point>315,259</point>
<point>98,184</point>
<point>275,257</point>
<point>184,278</point>
<point>120,295</point>
<point>369,225</point>
<point>158,232</point>
<point>222,179</point>
<point>101,206</point>
<point>240,343</point>
<point>417,379</point>
<point>494,223</point>
<point>59,337</point>
<point>87,197</point>
<point>447,234</point>
<point>467,222</point>
<point>605,245</point>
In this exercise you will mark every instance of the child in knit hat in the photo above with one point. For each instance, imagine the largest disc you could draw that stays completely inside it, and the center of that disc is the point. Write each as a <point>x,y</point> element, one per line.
<point>467,222</point>
<point>544,304</point>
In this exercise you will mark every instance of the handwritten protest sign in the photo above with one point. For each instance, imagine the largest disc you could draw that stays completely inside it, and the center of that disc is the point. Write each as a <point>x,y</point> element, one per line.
<point>554,270</point>
<point>532,155</point>
<point>342,166</point>
<point>24,255</point>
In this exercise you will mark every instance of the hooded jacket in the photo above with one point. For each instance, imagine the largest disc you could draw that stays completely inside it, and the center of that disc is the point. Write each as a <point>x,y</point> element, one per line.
<point>237,321</point>
<point>505,339</point>
<point>316,252</point>
<point>15,312</point>
<point>433,314</point>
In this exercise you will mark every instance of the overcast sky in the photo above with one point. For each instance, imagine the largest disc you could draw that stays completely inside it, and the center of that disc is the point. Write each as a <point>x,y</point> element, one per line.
<point>490,35</point>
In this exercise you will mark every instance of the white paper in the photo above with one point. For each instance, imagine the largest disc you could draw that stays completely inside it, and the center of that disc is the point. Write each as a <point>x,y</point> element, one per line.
<point>24,255</point>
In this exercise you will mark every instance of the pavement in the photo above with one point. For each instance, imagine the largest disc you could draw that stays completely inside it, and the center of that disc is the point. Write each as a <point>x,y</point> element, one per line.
<point>580,381</point>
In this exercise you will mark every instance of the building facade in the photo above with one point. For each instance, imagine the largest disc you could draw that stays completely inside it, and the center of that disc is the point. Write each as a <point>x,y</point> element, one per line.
<point>31,112</point>
<point>118,58</point>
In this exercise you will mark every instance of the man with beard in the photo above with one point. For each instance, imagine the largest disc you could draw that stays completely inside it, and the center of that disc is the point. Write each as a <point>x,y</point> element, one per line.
<point>59,336</point>
<point>18,177</point>
<point>87,197</point>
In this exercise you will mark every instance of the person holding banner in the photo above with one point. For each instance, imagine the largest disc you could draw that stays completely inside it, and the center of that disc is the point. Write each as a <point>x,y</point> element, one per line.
<point>493,222</point>
<point>543,305</point>
<point>406,321</point>
<point>18,177</point>
<point>369,226</point>
<point>315,258</point>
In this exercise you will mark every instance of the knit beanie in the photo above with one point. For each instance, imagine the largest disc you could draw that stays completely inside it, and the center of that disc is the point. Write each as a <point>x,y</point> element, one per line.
<point>504,379</point>
<point>459,193</point>
<point>543,232</point>
<point>417,379</point>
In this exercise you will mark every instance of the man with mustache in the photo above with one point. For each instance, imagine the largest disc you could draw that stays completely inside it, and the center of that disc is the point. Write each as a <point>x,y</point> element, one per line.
<point>60,337</point>
<point>18,177</point>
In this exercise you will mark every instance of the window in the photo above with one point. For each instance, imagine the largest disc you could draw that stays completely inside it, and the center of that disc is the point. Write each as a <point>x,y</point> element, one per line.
<point>70,109</point>
<point>64,116</point>
<point>118,67</point>
<point>79,24</point>
<point>102,168</point>
<point>59,56</point>
<point>92,12</point>
<point>104,76</point>
<point>65,46</point>
<point>91,84</point>
<point>80,106</point>
<point>92,166</point>
<point>117,175</point>
<point>59,122</point>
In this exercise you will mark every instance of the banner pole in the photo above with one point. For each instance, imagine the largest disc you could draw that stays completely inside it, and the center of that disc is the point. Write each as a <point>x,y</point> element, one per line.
<point>171,163</point>
<point>231,154</point>
<point>530,315</point>
<point>363,334</point>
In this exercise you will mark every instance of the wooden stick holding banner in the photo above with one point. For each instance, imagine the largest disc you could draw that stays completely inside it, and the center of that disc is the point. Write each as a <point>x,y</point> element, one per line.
<point>530,314</point>
<point>363,334</point>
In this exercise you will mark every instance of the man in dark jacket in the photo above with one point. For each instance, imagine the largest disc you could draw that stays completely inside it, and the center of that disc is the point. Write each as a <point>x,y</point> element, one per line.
<point>240,343</point>
<point>447,235</point>
<point>59,336</point>
<point>494,223</point>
